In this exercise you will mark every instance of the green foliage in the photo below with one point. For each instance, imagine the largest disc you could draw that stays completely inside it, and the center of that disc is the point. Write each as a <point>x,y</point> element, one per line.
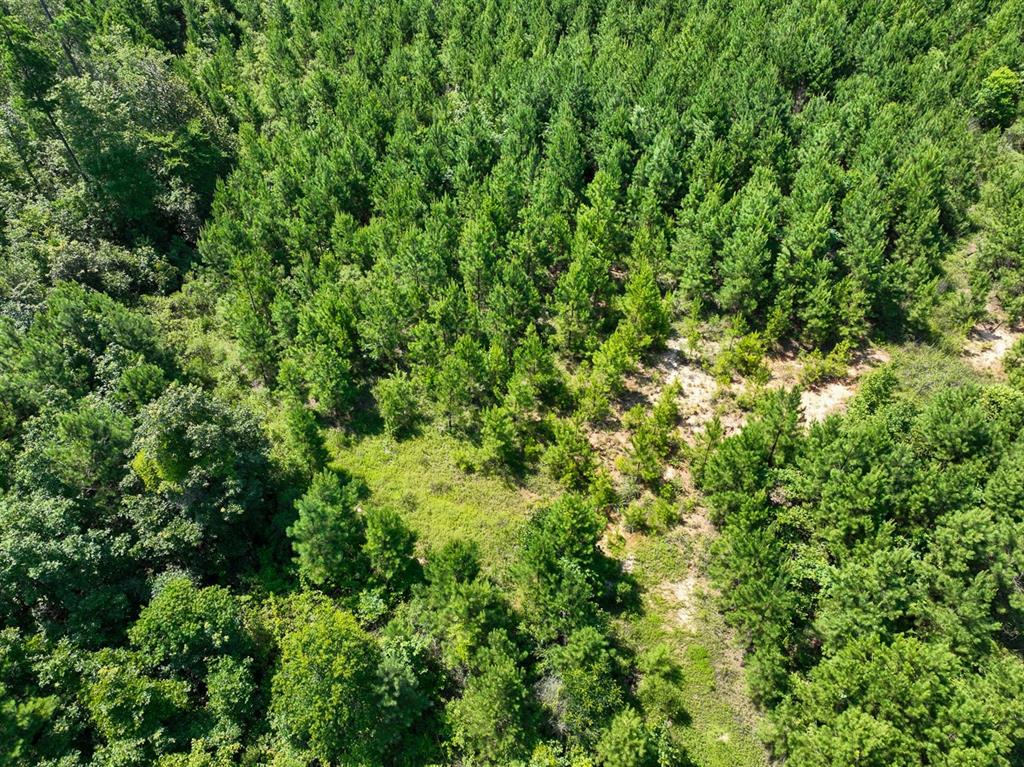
<point>818,367</point>
<point>67,344</point>
<point>184,627</point>
<point>583,677</point>
<point>996,103</point>
<point>556,570</point>
<point>653,439</point>
<point>328,536</point>
<point>458,607</point>
<point>228,227</point>
<point>643,307</point>
<point>742,465</point>
<point>501,441</point>
<point>323,344</point>
<point>399,404</point>
<point>296,435</point>
<point>659,684</point>
<point>867,704</point>
<point>582,296</point>
<point>866,555</point>
<point>489,720</point>
<point>743,356</point>
<point>30,716</point>
<point>998,215</point>
<point>627,743</point>
<point>1013,363</point>
<point>617,356</point>
<point>203,470</point>
<point>657,514</point>
<point>389,549</point>
<point>325,693</point>
<point>570,457</point>
<point>460,385</point>
<point>748,252</point>
<point>126,706</point>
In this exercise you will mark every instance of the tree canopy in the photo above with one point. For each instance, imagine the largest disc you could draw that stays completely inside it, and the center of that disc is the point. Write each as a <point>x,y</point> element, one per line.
<point>240,237</point>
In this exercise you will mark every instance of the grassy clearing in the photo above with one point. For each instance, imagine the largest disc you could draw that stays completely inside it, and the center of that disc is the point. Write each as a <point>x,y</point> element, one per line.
<point>720,729</point>
<point>419,478</point>
<point>923,370</point>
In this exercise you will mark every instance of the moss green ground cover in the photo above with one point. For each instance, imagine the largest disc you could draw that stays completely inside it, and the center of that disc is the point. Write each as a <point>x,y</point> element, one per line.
<point>419,478</point>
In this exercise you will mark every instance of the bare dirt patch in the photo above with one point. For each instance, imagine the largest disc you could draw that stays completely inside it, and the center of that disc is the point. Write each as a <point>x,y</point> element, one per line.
<point>683,600</point>
<point>827,399</point>
<point>988,341</point>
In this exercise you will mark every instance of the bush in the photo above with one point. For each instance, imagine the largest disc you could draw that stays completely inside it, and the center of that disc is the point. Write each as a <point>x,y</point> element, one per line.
<point>616,357</point>
<point>328,536</point>
<point>644,308</point>
<point>653,440</point>
<point>662,515</point>
<point>325,696</point>
<point>570,458</point>
<point>635,517</point>
<point>996,105</point>
<point>659,685</point>
<point>1013,364</point>
<point>743,357</point>
<point>398,402</point>
<point>390,551</point>
<point>502,443</point>
<point>654,514</point>
<point>627,743</point>
<point>818,367</point>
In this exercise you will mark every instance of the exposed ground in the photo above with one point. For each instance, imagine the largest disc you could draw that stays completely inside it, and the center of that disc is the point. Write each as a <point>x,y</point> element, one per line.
<point>988,341</point>
<point>679,598</point>
<point>703,398</point>
<point>821,401</point>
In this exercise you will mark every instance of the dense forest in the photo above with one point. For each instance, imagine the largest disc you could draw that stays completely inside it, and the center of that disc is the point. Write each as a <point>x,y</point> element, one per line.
<point>238,237</point>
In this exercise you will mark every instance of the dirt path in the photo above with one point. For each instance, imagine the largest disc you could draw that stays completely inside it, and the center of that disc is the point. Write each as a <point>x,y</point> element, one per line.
<point>685,599</point>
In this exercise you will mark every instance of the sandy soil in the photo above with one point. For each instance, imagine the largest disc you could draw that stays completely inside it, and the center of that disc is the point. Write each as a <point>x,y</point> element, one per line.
<point>684,600</point>
<point>702,398</point>
<point>831,397</point>
<point>988,341</point>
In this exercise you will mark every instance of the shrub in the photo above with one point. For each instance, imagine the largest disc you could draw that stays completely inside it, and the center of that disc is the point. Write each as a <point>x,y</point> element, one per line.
<point>1013,364</point>
<point>818,367</point>
<point>996,104</point>
<point>398,402</point>
<point>653,440</point>
<point>744,357</point>
<point>570,458</point>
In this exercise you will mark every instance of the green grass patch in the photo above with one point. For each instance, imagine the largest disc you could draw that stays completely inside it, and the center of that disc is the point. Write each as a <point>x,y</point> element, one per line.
<point>923,370</point>
<point>419,478</point>
<point>716,736</point>
<point>719,729</point>
<point>660,558</point>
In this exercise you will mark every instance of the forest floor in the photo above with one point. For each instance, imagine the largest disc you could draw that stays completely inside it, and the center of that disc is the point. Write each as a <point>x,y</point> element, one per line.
<point>420,478</point>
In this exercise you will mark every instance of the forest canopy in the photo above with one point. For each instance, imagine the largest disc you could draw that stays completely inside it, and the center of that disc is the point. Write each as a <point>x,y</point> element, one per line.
<point>236,234</point>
